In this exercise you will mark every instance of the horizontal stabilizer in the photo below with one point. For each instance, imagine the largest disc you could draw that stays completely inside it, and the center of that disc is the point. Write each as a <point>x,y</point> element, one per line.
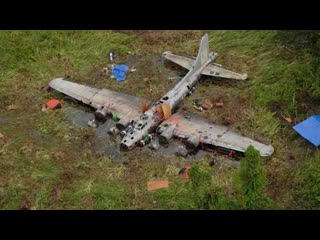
<point>211,70</point>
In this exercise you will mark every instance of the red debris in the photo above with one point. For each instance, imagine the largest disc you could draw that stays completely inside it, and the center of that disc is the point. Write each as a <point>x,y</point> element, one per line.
<point>157,185</point>
<point>184,172</point>
<point>54,104</point>
<point>207,105</point>
<point>219,104</point>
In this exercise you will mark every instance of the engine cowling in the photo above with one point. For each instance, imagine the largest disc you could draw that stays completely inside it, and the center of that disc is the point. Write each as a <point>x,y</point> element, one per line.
<point>166,135</point>
<point>193,142</point>
<point>102,114</point>
<point>123,123</point>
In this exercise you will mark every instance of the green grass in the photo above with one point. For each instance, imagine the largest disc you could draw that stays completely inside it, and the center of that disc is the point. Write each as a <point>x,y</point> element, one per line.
<point>48,163</point>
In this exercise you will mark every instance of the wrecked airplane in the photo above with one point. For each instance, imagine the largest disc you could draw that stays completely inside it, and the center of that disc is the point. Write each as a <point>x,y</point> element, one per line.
<point>137,125</point>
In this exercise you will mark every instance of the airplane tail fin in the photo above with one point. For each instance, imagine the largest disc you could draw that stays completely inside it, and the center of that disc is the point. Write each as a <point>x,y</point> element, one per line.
<point>203,54</point>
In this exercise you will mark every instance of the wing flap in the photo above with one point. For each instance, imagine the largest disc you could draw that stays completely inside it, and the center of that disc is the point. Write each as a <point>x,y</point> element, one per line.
<point>188,125</point>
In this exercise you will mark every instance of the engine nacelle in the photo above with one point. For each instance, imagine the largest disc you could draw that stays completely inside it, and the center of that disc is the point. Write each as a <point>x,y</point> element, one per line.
<point>193,142</point>
<point>123,123</point>
<point>102,114</point>
<point>166,135</point>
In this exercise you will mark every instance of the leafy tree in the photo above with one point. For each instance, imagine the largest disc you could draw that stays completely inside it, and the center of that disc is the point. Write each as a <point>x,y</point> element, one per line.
<point>200,185</point>
<point>253,179</point>
<point>206,194</point>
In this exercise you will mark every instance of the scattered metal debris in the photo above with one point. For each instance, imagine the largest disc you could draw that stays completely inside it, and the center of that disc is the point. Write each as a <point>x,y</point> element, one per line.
<point>112,56</point>
<point>133,69</point>
<point>184,172</point>
<point>182,151</point>
<point>206,105</point>
<point>113,131</point>
<point>219,104</point>
<point>43,107</point>
<point>52,104</point>
<point>158,185</point>
<point>197,105</point>
<point>92,123</point>
<point>106,71</point>
<point>200,109</point>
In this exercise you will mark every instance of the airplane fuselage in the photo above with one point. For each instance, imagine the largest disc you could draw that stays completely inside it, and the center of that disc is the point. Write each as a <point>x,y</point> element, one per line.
<point>140,129</point>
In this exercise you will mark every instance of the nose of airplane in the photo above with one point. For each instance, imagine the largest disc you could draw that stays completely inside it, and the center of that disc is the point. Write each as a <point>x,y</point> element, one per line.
<point>123,147</point>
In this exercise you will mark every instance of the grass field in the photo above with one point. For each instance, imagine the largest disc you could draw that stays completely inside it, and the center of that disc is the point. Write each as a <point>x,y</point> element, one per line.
<point>48,163</point>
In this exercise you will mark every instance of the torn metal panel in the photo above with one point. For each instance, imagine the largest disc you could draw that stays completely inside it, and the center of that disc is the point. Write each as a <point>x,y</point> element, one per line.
<point>190,126</point>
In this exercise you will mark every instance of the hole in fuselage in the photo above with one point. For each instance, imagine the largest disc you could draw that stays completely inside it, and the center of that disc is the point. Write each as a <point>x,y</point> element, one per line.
<point>132,138</point>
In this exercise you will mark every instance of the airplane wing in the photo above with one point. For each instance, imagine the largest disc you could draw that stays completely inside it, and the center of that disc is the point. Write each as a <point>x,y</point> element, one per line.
<point>198,130</point>
<point>119,104</point>
<point>211,70</point>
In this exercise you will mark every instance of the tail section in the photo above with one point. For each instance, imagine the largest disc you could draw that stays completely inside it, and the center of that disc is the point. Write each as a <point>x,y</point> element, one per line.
<point>203,54</point>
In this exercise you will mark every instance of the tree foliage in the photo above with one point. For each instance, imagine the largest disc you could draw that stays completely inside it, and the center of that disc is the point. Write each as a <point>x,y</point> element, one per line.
<point>253,177</point>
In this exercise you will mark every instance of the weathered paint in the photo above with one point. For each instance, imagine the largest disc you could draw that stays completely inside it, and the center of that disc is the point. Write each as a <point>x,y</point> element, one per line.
<point>181,125</point>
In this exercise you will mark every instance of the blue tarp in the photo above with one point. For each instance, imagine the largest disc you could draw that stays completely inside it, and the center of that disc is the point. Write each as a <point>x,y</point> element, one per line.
<point>119,71</point>
<point>310,129</point>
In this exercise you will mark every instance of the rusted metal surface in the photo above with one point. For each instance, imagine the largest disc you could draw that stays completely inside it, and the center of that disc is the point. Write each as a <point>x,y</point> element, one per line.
<point>137,125</point>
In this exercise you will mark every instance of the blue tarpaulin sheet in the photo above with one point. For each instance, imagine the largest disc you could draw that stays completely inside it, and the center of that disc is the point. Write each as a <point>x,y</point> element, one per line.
<point>310,129</point>
<point>119,71</point>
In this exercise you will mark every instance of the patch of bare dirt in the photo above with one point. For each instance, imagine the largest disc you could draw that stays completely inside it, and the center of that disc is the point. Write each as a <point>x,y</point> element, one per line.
<point>307,104</point>
<point>66,176</point>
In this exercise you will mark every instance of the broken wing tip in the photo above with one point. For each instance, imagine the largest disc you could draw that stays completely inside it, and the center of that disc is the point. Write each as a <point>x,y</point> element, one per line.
<point>267,151</point>
<point>244,76</point>
<point>55,81</point>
